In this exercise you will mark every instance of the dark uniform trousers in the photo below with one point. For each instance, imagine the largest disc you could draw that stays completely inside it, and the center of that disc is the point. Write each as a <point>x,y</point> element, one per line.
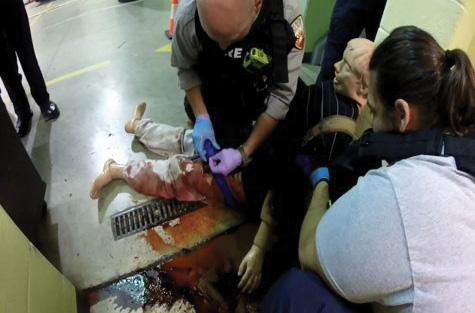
<point>300,291</point>
<point>348,20</point>
<point>18,38</point>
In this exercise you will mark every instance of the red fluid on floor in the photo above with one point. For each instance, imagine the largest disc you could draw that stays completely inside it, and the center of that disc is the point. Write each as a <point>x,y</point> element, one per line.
<point>206,278</point>
<point>153,239</point>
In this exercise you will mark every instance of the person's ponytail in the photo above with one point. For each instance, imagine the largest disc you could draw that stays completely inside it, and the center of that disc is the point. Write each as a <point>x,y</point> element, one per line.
<point>457,93</point>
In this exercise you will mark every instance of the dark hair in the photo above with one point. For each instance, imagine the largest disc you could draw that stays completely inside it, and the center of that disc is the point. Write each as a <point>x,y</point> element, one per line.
<point>410,65</point>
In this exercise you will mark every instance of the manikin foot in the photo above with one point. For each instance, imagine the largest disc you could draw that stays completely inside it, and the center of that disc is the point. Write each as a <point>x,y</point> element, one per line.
<point>139,111</point>
<point>102,180</point>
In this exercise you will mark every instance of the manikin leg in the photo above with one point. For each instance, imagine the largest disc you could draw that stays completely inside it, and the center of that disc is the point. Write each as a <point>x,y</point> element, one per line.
<point>110,172</point>
<point>177,177</point>
<point>162,139</point>
<point>138,113</point>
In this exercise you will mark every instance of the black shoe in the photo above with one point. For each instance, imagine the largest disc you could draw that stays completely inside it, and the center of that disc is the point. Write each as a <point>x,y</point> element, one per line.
<point>23,125</point>
<point>50,111</point>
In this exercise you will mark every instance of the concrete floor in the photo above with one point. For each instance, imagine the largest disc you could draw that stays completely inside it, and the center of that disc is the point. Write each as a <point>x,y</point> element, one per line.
<point>99,59</point>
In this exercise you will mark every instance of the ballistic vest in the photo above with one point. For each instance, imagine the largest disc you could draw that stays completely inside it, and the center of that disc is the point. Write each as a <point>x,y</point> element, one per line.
<point>368,152</point>
<point>225,81</point>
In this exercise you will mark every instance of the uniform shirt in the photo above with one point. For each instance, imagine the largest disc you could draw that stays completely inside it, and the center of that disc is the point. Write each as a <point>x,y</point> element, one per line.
<point>186,48</point>
<point>404,238</point>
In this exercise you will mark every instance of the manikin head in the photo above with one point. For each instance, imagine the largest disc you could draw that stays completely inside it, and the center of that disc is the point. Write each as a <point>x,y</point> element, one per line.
<point>352,72</point>
<point>227,21</point>
<point>415,84</point>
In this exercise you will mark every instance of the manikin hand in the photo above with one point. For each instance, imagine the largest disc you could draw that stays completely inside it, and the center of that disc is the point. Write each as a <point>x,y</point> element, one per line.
<point>203,130</point>
<point>251,266</point>
<point>225,161</point>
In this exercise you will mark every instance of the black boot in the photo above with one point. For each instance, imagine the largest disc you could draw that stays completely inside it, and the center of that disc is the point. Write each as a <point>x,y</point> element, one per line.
<point>23,125</point>
<point>50,111</point>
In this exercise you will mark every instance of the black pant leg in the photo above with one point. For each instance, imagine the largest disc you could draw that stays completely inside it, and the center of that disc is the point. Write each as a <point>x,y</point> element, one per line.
<point>300,291</point>
<point>23,45</point>
<point>347,22</point>
<point>17,95</point>
<point>12,81</point>
<point>375,13</point>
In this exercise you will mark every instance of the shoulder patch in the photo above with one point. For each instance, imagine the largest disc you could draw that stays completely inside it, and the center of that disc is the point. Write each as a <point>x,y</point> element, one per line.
<point>299,32</point>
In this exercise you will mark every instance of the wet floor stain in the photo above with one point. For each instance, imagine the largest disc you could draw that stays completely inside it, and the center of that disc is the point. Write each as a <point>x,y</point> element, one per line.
<point>153,239</point>
<point>205,279</point>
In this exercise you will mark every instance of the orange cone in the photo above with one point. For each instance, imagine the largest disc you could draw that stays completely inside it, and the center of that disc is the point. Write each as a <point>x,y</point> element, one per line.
<point>169,32</point>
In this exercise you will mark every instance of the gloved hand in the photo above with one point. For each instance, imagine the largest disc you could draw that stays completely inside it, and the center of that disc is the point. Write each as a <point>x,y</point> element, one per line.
<point>203,130</point>
<point>225,161</point>
<point>319,174</point>
<point>314,164</point>
<point>251,267</point>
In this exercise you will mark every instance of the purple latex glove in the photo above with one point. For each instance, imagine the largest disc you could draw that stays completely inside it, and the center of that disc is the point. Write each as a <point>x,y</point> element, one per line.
<point>203,130</point>
<point>225,161</point>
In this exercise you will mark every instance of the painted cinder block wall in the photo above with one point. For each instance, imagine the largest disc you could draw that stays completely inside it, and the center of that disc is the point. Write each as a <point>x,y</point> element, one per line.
<point>451,22</point>
<point>317,15</point>
<point>471,50</point>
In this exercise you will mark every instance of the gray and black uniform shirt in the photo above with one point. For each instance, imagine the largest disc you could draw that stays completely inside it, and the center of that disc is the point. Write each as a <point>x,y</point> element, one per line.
<point>186,48</point>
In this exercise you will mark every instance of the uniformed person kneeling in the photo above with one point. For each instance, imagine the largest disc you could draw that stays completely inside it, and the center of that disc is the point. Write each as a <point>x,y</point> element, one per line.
<point>238,62</point>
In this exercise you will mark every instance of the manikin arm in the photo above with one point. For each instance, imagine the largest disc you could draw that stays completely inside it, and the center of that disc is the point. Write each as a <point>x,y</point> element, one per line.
<point>251,265</point>
<point>307,243</point>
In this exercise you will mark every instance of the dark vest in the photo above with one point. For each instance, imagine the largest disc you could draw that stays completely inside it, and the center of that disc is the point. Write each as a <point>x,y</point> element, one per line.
<point>227,87</point>
<point>368,152</point>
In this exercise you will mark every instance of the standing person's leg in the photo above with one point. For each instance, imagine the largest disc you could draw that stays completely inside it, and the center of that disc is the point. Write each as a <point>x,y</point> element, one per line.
<point>12,81</point>
<point>23,45</point>
<point>19,99</point>
<point>347,21</point>
<point>374,15</point>
<point>300,291</point>
<point>29,63</point>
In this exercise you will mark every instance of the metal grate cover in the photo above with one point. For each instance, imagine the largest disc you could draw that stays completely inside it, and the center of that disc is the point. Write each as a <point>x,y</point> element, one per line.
<point>148,214</point>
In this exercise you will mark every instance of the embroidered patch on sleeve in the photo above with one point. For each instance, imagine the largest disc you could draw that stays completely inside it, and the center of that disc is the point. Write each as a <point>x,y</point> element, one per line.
<point>299,32</point>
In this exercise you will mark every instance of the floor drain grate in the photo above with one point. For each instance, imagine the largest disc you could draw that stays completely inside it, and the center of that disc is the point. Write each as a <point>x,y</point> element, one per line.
<point>147,215</point>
